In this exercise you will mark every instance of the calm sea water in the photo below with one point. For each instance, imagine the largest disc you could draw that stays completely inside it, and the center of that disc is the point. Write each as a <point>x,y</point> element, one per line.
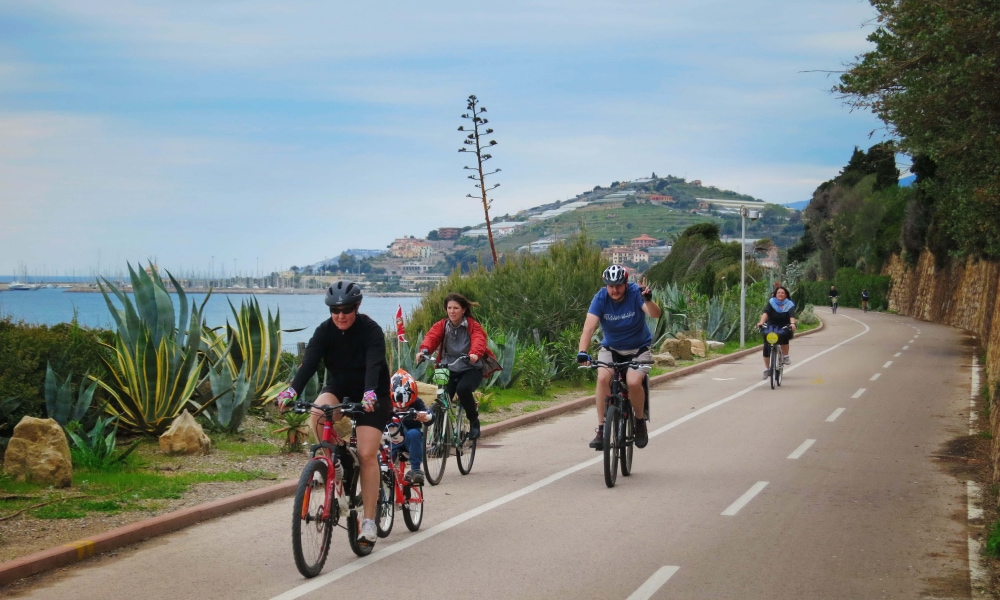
<point>52,306</point>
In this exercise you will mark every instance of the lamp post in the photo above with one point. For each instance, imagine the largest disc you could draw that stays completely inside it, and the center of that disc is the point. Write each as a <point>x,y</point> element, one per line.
<point>754,215</point>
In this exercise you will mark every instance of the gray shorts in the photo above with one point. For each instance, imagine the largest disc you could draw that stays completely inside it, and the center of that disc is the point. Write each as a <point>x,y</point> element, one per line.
<point>604,355</point>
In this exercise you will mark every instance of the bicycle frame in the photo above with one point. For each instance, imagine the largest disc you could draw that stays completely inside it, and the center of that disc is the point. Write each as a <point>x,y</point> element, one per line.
<point>330,442</point>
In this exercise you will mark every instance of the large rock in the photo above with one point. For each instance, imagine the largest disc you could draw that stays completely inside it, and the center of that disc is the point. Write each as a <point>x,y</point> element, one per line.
<point>697,348</point>
<point>664,360</point>
<point>714,346</point>
<point>38,452</point>
<point>681,349</point>
<point>185,436</point>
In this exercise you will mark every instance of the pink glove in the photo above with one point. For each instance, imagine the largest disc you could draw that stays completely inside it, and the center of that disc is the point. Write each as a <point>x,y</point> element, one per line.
<point>285,397</point>
<point>369,400</point>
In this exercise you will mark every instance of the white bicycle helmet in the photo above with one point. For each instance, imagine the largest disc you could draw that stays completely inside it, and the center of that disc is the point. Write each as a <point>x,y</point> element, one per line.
<point>615,275</point>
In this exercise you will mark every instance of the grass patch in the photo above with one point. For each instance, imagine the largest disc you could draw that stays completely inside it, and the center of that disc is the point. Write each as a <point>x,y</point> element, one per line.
<point>993,541</point>
<point>62,510</point>
<point>245,449</point>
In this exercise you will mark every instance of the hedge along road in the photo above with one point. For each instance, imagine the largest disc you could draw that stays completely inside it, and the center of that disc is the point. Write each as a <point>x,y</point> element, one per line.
<point>743,492</point>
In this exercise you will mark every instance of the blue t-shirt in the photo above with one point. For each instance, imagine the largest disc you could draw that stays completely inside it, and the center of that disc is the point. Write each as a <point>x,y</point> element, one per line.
<point>624,323</point>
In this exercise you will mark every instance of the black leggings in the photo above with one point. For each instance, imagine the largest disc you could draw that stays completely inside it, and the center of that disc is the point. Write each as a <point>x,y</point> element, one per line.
<point>464,383</point>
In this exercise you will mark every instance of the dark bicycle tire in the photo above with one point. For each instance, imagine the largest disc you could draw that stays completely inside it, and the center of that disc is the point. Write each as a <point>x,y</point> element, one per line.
<point>465,448</point>
<point>310,533</point>
<point>774,354</point>
<point>627,427</point>
<point>611,443</point>
<point>413,506</point>
<point>780,370</point>
<point>354,516</point>
<point>385,513</point>
<point>436,446</point>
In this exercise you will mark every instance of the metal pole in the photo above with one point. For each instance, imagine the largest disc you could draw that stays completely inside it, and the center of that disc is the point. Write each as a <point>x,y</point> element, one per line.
<point>743,287</point>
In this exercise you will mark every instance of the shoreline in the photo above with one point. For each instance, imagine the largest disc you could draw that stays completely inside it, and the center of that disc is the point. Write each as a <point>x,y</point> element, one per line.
<point>249,291</point>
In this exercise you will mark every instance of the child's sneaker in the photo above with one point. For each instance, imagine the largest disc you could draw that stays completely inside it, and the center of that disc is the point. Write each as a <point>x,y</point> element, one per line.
<point>369,531</point>
<point>414,476</point>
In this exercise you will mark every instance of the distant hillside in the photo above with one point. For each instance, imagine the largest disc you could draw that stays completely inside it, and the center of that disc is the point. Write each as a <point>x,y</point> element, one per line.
<point>800,205</point>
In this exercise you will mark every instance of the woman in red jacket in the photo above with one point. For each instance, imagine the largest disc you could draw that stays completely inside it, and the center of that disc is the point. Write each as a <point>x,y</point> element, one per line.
<point>458,335</point>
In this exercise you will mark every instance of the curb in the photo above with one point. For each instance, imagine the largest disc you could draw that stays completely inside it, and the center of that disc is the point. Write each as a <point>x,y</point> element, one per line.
<point>72,552</point>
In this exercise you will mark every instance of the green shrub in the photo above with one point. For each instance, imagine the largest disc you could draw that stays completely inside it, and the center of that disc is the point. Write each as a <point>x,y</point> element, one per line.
<point>535,369</point>
<point>26,351</point>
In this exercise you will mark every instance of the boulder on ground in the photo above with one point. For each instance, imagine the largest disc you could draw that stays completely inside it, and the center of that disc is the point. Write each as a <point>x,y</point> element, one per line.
<point>697,348</point>
<point>681,349</point>
<point>38,452</point>
<point>714,346</point>
<point>664,360</point>
<point>185,436</point>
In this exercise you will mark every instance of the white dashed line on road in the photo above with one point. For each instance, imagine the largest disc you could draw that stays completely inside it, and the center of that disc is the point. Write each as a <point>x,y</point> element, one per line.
<point>654,583</point>
<point>833,416</point>
<point>887,365</point>
<point>801,450</point>
<point>744,499</point>
<point>858,393</point>
<point>875,376</point>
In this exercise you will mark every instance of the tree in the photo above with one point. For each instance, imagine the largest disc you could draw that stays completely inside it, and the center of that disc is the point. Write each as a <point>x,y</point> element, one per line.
<point>474,140</point>
<point>433,236</point>
<point>932,78</point>
<point>346,262</point>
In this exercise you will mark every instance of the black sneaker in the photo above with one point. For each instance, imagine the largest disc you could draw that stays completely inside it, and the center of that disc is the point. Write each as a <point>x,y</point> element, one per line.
<point>415,477</point>
<point>641,435</point>
<point>473,431</point>
<point>598,442</point>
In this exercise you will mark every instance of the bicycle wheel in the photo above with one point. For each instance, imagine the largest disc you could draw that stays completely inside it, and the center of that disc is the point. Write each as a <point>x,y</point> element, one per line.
<point>310,532</point>
<point>774,355</point>
<point>779,369</point>
<point>436,446</point>
<point>413,507</point>
<point>465,449</point>
<point>385,513</point>
<point>611,443</point>
<point>627,426</point>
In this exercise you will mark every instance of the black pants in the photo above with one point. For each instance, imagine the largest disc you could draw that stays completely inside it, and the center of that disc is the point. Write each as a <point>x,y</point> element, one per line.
<point>464,383</point>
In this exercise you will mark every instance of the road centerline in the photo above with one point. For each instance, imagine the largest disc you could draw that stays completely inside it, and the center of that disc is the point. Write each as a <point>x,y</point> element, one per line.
<point>744,499</point>
<point>803,447</point>
<point>654,583</point>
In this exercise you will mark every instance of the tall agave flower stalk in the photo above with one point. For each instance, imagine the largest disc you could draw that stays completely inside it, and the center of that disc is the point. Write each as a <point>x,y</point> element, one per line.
<point>154,361</point>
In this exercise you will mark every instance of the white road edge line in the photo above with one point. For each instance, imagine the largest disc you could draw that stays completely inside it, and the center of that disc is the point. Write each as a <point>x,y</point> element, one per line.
<point>744,499</point>
<point>887,365</point>
<point>654,583</point>
<point>801,450</point>
<point>378,554</point>
<point>858,393</point>
<point>978,577</point>
<point>833,416</point>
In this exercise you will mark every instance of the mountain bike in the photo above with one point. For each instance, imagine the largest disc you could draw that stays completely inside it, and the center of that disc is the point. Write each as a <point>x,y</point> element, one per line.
<point>619,419</point>
<point>394,490</point>
<point>327,491</point>
<point>777,365</point>
<point>449,431</point>
<point>864,304</point>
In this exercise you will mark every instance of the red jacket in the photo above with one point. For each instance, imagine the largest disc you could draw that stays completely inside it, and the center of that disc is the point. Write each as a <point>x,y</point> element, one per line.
<point>477,337</point>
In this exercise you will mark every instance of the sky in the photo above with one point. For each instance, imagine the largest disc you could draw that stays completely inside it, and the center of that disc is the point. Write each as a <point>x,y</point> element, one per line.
<point>251,136</point>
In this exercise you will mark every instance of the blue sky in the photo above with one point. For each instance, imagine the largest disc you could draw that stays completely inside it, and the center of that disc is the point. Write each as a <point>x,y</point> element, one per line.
<point>259,135</point>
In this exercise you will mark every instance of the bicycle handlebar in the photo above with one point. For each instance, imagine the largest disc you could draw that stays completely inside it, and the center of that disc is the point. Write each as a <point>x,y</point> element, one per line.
<point>631,364</point>
<point>346,408</point>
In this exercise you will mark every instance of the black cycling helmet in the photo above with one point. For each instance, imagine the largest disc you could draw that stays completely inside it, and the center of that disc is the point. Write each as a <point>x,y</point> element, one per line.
<point>343,293</point>
<point>615,275</point>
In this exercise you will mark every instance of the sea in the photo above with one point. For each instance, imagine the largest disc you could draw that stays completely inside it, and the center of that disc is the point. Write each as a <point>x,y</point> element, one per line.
<point>50,306</point>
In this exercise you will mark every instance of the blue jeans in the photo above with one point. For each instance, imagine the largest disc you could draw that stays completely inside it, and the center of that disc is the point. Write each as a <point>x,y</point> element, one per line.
<point>413,444</point>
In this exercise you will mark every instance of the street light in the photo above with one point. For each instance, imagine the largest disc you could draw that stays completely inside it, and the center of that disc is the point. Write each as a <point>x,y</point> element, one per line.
<point>754,215</point>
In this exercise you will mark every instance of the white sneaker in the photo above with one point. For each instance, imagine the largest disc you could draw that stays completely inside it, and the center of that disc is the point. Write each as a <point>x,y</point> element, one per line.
<point>368,531</point>
<point>786,360</point>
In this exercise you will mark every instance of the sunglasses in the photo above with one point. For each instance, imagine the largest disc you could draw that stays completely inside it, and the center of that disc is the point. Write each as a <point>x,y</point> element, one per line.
<point>336,310</point>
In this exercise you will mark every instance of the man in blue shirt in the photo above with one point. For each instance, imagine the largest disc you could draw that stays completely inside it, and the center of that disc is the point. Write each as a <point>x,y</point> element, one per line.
<point>620,308</point>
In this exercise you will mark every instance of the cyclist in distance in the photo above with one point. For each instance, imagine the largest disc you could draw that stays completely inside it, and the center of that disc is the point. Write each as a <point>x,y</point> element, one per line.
<point>620,308</point>
<point>864,299</point>
<point>457,335</point>
<point>834,297</point>
<point>352,347</point>
<point>779,312</point>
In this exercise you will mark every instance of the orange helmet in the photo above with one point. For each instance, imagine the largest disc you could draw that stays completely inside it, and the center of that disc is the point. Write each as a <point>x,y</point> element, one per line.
<point>403,389</point>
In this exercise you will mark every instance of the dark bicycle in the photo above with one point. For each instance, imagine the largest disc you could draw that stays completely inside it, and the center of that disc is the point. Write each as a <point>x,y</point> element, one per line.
<point>619,419</point>
<point>327,491</point>
<point>777,364</point>
<point>448,432</point>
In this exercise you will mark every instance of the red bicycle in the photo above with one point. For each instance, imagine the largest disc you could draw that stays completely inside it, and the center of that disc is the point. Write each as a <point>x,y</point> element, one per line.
<point>394,490</point>
<point>327,491</point>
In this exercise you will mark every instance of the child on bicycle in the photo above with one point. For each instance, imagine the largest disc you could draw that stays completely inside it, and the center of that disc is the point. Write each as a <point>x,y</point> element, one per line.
<point>405,436</point>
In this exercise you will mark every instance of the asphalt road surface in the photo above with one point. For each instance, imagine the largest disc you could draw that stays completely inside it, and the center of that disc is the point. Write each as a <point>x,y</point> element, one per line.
<point>831,486</point>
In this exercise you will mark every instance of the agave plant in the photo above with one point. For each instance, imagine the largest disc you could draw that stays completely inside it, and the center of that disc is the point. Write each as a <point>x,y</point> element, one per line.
<point>252,346</point>
<point>59,402</point>
<point>231,397</point>
<point>154,361</point>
